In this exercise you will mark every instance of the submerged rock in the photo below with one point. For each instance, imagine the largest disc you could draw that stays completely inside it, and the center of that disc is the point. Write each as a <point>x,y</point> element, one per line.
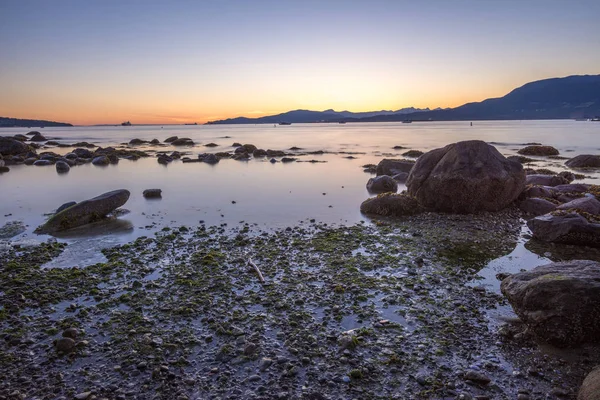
<point>465,177</point>
<point>559,302</point>
<point>391,167</point>
<point>382,184</point>
<point>152,193</point>
<point>391,204</point>
<point>538,151</point>
<point>85,212</point>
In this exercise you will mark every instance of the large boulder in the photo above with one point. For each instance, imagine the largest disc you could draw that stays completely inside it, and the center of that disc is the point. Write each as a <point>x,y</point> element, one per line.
<point>538,151</point>
<point>465,177</point>
<point>565,227</point>
<point>590,388</point>
<point>391,167</point>
<point>382,184</point>
<point>85,212</point>
<point>584,161</point>
<point>10,146</point>
<point>391,204</point>
<point>559,302</point>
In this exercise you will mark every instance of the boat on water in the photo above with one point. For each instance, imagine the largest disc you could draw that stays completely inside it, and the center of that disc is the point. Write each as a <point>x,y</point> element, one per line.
<point>126,123</point>
<point>285,123</point>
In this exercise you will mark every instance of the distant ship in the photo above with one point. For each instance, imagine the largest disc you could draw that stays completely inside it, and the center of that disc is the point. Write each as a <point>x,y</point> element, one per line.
<point>285,123</point>
<point>126,123</point>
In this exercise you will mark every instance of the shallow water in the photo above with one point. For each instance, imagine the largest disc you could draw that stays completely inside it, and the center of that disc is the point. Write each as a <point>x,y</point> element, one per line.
<point>257,192</point>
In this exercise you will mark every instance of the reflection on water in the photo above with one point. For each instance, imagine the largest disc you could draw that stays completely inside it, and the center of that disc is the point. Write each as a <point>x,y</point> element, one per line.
<point>256,192</point>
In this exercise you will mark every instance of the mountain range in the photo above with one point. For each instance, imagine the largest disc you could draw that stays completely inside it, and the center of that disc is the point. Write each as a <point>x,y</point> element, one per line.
<point>571,97</point>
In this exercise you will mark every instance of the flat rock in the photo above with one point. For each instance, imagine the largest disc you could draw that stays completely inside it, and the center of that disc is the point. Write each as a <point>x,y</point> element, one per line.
<point>567,227</point>
<point>85,212</point>
<point>559,302</point>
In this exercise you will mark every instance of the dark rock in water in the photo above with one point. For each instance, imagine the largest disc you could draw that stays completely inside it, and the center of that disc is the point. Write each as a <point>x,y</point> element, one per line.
<point>33,133</point>
<point>84,144</point>
<point>565,227</point>
<point>83,153</point>
<point>241,157</point>
<point>590,388</point>
<point>236,144</point>
<point>538,151</point>
<point>101,161</point>
<point>4,169</point>
<point>465,177</point>
<point>42,163</point>
<point>136,141</point>
<point>259,153</point>
<point>164,159</point>
<point>175,155</point>
<point>65,206</point>
<point>391,204</point>
<point>275,153</point>
<point>113,158</point>
<point>21,138</point>
<point>392,167</point>
<point>401,177</point>
<point>536,206</point>
<point>12,229</point>
<point>246,148</point>
<point>288,159</point>
<point>64,345</point>
<point>171,139</point>
<point>154,141</point>
<point>152,193</point>
<point>559,302</point>
<point>273,161</point>
<point>38,138</point>
<point>9,146</point>
<point>71,156</point>
<point>413,153</point>
<point>521,159</point>
<point>211,145</point>
<point>584,161</point>
<point>30,160</point>
<point>85,212</point>
<point>62,167</point>
<point>587,204</point>
<point>545,180</point>
<point>210,159</point>
<point>183,142</point>
<point>382,184</point>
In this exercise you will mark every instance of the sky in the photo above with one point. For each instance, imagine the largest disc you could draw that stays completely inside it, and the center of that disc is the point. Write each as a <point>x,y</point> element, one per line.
<point>105,61</point>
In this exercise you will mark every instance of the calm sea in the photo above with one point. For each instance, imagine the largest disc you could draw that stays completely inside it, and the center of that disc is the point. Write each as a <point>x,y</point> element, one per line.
<point>256,191</point>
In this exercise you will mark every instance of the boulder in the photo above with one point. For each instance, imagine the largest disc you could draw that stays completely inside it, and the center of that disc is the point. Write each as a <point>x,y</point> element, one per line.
<point>136,141</point>
<point>382,184</point>
<point>42,163</point>
<point>210,159</point>
<point>565,227</point>
<point>259,153</point>
<point>584,161</point>
<point>538,151</point>
<point>288,159</point>
<point>586,204</point>
<point>183,142</point>
<point>559,302</point>
<point>275,153</point>
<point>413,153</point>
<point>33,133</point>
<point>85,212</point>
<point>83,153</point>
<point>152,193</point>
<point>545,180</point>
<point>391,167</point>
<point>465,177</point>
<point>154,141</point>
<point>246,148</point>
<point>391,204</point>
<point>171,139</point>
<point>590,388</point>
<point>164,159</point>
<point>38,138</point>
<point>101,161</point>
<point>211,145</point>
<point>62,167</point>
<point>65,206</point>
<point>9,146</point>
<point>536,206</point>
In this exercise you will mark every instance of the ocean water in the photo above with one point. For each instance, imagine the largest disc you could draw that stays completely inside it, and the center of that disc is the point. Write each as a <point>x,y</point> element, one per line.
<point>258,192</point>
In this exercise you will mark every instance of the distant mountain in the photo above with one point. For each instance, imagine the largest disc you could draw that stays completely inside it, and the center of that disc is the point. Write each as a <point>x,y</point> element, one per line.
<point>6,122</point>
<point>571,97</point>
<point>306,116</point>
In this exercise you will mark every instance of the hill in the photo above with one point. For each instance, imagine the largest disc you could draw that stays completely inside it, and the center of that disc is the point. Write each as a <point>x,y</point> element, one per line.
<point>6,122</point>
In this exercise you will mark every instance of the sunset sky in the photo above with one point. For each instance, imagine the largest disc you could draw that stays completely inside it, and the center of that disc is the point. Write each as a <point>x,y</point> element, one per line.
<point>95,62</point>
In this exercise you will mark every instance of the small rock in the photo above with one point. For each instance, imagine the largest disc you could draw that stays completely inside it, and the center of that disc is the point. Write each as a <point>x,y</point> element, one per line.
<point>64,345</point>
<point>152,193</point>
<point>478,377</point>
